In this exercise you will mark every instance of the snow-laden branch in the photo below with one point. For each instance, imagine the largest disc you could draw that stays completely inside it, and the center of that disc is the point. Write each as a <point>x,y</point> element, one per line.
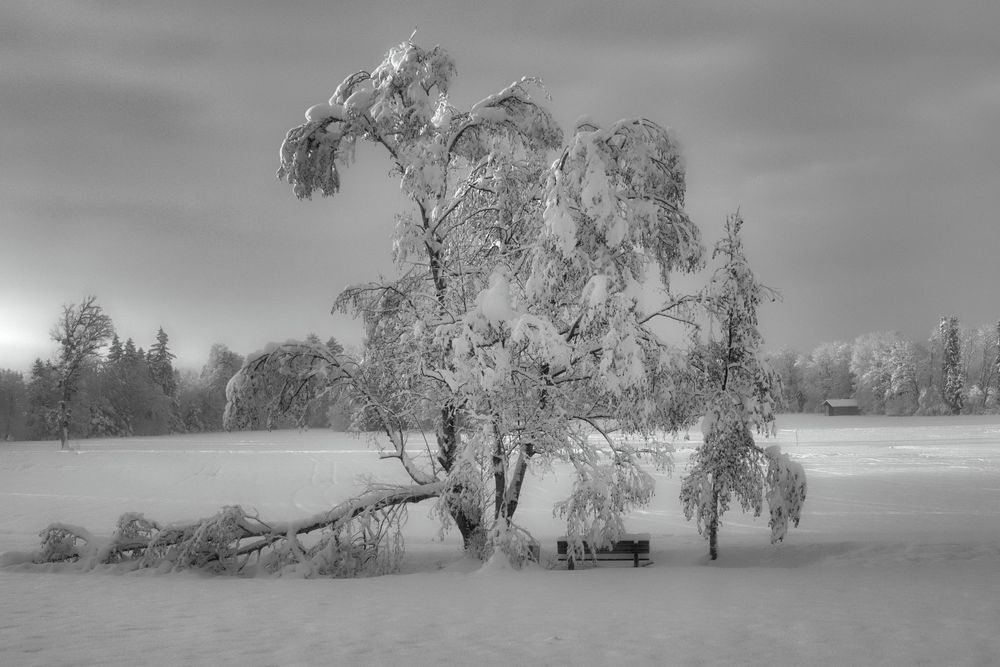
<point>358,536</point>
<point>511,109</point>
<point>282,379</point>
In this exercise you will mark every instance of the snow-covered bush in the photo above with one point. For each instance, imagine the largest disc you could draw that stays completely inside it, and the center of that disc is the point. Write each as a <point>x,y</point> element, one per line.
<point>62,542</point>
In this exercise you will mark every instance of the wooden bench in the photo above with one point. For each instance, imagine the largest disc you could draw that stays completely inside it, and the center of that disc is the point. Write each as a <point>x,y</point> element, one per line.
<point>629,547</point>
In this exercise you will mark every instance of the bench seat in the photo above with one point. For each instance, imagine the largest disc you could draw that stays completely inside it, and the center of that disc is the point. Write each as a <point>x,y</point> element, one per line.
<point>633,547</point>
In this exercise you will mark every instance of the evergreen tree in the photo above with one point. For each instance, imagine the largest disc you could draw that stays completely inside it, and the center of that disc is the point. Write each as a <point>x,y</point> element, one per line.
<point>108,417</point>
<point>130,354</point>
<point>43,399</point>
<point>13,405</point>
<point>160,367</point>
<point>115,351</point>
<point>953,376</point>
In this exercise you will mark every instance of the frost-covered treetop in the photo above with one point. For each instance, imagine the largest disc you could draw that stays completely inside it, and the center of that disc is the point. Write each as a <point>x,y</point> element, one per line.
<point>614,203</point>
<point>733,296</point>
<point>403,105</point>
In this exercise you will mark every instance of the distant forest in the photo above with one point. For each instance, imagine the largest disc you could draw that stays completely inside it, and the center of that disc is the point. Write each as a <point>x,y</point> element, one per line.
<point>128,391</point>
<point>124,390</point>
<point>955,371</point>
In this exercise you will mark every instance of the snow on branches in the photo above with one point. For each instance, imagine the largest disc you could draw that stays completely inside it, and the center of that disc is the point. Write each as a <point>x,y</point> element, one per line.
<point>602,495</point>
<point>521,309</point>
<point>621,189</point>
<point>739,394</point>
<point>358,537</point>
<point>786,482</point>
<point>278,381</point>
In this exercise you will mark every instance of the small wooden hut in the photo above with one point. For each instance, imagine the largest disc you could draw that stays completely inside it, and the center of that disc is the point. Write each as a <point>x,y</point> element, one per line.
<point>838,407</point>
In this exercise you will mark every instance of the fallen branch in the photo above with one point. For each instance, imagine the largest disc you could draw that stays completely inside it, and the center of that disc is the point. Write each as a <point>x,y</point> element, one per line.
<point>359,536</point>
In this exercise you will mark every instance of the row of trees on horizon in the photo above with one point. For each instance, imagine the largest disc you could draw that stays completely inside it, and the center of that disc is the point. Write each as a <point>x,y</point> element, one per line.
<point>114,388</point>
<point>955,371</point>
<point>128,391</point>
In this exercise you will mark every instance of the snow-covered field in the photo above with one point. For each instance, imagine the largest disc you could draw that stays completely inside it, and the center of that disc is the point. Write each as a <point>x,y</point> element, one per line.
<point>897,562</point>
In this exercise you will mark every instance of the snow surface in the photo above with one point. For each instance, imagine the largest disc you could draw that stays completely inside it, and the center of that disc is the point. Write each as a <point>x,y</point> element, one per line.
<point>896,562</point>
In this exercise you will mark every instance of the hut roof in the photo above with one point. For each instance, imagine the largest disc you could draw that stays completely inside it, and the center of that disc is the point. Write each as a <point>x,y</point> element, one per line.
<point>841,402</point>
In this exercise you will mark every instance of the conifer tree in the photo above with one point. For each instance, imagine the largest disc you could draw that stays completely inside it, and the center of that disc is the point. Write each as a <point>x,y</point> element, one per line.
<point>161,369</point>
<point>953,379</point>
<point>130,354</point>
<point>43,398</point>
<point>115,351</point>
<point>12,405</point>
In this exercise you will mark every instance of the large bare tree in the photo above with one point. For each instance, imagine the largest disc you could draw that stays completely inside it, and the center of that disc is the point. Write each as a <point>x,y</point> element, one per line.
<point>82,330</point>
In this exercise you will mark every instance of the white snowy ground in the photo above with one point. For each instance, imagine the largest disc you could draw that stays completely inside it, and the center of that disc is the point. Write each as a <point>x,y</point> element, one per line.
<point>897,562</point>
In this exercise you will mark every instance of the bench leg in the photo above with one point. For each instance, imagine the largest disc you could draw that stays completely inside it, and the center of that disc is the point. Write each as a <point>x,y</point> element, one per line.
<point>569,564</point>
<point>635,561</point>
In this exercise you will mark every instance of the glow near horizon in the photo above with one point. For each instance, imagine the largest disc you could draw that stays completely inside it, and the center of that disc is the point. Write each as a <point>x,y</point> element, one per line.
<point>139,149</point>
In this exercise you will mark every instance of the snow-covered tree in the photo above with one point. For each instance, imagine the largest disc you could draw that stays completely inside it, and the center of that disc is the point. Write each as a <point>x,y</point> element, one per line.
<point>515,324</point>
<point>979,353</point>
<point>904,389</point>
<point>221,366</point>
<point>953,377</point>
<point>885,365</point>
<point>739,392</point>
<point>473,180</point>
<point>827,374</point>
<point>790,366</point>
<point>992,381</point>
<point>870,365</point>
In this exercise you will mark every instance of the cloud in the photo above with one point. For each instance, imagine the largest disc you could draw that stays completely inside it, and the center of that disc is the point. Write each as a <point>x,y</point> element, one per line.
<point>138,144</point>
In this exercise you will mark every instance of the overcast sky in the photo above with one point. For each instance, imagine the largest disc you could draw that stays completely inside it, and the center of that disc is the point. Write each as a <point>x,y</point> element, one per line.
<point>139,141</point>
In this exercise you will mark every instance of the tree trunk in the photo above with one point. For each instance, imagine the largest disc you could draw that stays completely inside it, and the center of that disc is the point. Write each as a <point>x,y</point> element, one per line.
<point>713,524</point>
<point>471,529</point>
<point>499,474</point>
<point>512,494</point>
<point>63,424</point>
<point>469,524</point>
